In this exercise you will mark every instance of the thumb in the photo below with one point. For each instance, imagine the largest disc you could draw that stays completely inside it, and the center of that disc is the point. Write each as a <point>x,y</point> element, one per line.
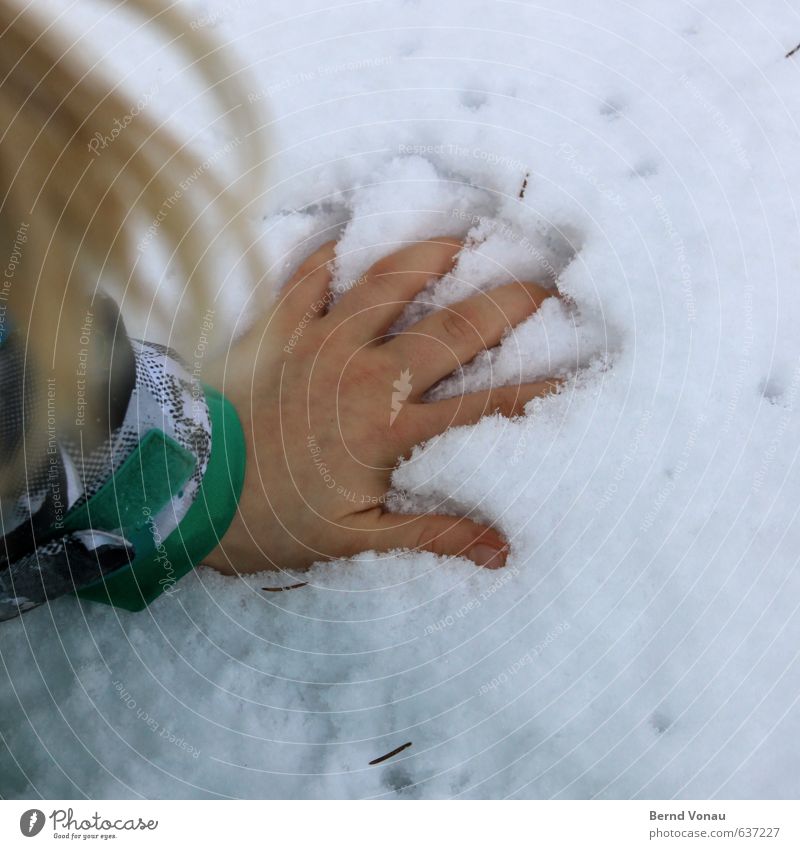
<point>450,536</point>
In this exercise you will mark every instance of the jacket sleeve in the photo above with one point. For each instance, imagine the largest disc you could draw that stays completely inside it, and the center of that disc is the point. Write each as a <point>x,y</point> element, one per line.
<point>137,387</point>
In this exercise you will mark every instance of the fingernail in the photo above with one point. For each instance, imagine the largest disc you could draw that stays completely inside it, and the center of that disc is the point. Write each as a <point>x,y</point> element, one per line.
<point>488,556</point>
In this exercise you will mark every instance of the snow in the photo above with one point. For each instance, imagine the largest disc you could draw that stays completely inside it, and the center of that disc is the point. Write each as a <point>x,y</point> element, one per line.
<point>643,640</point>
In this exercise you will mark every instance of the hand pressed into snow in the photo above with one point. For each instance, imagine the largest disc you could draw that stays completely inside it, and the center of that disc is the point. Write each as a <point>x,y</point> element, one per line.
<point>330,401</point>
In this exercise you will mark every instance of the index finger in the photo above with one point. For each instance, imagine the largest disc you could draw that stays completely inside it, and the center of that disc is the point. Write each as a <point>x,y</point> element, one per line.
<point>392,283</point>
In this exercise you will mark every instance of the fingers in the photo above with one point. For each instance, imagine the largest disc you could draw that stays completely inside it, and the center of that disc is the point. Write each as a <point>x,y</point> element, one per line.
<point>445,535</point>
<point>376,303</point>
<point>437,345</point>
<point>307,291</point>
<point>436,417</point>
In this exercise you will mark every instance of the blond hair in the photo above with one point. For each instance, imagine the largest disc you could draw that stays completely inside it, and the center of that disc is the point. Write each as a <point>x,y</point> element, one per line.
<point>74,220</point>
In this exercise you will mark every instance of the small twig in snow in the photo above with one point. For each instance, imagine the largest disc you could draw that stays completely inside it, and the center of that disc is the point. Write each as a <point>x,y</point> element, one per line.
<point>525,181</point>
<point>282,589</point>
<point>388,755</point>
<point>793,51</point>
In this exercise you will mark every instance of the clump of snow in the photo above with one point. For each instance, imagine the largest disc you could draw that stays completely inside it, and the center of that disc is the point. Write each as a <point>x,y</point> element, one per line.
<point>643,639</point>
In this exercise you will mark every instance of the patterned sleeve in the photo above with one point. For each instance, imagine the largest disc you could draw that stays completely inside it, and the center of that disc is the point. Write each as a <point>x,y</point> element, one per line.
<point>142,386</point>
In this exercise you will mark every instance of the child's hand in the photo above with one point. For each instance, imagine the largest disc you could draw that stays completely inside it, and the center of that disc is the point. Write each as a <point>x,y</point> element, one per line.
<point>329,403</point>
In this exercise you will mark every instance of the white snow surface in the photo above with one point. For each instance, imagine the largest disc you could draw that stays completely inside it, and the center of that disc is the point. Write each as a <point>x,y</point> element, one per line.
<point>643,640</point>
